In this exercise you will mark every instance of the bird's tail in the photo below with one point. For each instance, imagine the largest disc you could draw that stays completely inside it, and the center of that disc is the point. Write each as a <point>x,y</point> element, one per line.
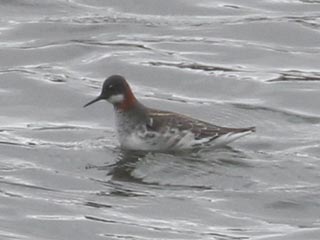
<point>233,135</point>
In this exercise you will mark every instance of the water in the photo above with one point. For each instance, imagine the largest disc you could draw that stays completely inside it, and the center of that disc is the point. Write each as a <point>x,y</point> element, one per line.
<point>235,63</point>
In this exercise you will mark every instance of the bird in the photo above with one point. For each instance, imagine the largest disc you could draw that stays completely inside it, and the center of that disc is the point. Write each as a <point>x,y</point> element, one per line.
<point>142,128</point>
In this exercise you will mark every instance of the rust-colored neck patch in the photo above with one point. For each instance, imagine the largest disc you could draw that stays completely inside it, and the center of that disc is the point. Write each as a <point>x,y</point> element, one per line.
<point>129,100</point>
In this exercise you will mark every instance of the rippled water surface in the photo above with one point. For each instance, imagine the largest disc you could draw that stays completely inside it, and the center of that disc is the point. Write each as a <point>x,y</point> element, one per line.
<point>234,63</point>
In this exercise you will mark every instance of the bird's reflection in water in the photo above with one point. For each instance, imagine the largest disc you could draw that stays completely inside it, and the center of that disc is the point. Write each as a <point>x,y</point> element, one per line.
<point>128,161</point>
<point>139,173</point>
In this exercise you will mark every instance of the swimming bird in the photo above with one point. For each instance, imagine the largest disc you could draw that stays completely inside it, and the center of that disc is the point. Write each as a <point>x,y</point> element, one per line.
<point>143,128</point>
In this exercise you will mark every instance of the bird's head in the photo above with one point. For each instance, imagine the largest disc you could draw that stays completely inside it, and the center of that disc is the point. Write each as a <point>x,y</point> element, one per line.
<point>117,91</point>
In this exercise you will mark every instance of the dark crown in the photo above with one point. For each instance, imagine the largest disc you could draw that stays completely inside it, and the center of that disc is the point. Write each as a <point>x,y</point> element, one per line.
<point>114,85</point>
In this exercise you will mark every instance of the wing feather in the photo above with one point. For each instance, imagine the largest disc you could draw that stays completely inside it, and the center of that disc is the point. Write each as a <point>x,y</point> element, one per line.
<point>163,120</point>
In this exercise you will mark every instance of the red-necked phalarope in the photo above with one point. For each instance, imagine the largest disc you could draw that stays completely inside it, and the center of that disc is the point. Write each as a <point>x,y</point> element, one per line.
<point>143,128</point>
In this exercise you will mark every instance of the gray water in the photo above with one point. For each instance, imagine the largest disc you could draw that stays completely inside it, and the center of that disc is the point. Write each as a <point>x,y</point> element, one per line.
<point>234,63</point>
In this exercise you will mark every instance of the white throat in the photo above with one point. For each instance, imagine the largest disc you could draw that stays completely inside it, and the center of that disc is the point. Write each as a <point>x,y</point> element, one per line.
<point>114,99</point>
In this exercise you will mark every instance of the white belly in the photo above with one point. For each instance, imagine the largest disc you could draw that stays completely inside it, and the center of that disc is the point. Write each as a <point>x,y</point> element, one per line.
<point>152,141</point>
